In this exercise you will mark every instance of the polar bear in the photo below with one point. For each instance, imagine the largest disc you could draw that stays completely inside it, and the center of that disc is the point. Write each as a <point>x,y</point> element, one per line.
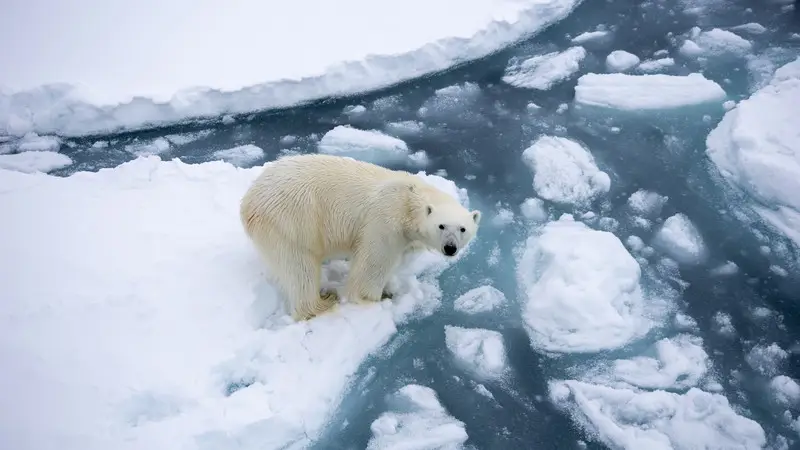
<point>303,210</point>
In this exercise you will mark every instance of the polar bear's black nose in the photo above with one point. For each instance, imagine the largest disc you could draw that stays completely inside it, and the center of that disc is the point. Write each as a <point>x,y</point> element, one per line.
<point>450,249</point>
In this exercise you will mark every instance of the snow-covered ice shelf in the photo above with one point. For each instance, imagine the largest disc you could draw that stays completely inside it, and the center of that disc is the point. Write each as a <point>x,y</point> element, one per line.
<point>251,57</point>
<point>756,147</point>
<point>136,315</point>
<point>646,92</point>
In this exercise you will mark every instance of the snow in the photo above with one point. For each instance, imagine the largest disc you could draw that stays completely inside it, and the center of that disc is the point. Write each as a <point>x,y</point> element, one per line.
<point>716,42</point>
<point>580,289</point>
<point>756,146</point>
<point>366,145</point>
<point>419,423</point>
<point>646,202</point>
<point>564,171</point>
<point>479,300</point>
<point>155,327</point>
<point>62,85</point>
<point>590,36</point>
<point>480,351</point>
<point>680,239</point>
<point>679,363</point>
<point>621,61</point>
<point>786,390</point>
<point>657,420</point>
<point>655,65</point>
<point>34,161</point>
<point>242,155</point>
<point>544,71</point>
<point>646,92</point>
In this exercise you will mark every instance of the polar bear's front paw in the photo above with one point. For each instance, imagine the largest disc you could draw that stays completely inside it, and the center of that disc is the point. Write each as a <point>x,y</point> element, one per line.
<point>327,301</point>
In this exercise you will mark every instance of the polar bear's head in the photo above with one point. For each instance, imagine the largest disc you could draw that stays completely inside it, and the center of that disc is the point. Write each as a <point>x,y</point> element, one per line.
<point>448,228</point>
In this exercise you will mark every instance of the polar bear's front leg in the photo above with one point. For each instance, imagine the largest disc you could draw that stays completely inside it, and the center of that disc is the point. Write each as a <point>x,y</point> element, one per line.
<point>371,267</point>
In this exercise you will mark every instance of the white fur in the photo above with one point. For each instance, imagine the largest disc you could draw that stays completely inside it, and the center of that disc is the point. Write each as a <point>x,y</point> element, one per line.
<point>303,210</point>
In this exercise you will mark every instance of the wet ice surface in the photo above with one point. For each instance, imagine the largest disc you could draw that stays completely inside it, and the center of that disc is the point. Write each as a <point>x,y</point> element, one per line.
<point>660,313</point>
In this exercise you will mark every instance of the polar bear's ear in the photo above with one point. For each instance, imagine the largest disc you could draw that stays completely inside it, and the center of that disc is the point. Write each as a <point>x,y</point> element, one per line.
<point>476,216</point>
<point>430,209</point>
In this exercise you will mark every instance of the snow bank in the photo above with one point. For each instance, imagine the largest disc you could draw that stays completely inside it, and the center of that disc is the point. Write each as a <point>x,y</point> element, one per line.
<point>544,71</point>
<point>204,67</point>
<point>480,351</point>
<point>481,299</point>
<point>142,320</point>
<point>34,161</point>
<point>365,145</point>
<point>564,171</point>
<point>581,288</point>
<point>646,92</point>
<point>657,420</point>
<point>680,239</point>
<point>419,423</point>
<point>756,146</point>
<point>242,155</point>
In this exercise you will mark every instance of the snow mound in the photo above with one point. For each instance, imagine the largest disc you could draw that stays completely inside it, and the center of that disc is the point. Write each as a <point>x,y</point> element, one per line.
<point>620,61</point>
<point>481,351</point>
<point>544,71</point>
<point>242,155</point>
<point>34,161</point>
<point>420,423</point>
<point>156,328</point>
<point>756,146</point>
<point>679,363</point>
<point>657,420</point>
<point>581,288</point>
<point>479,300</point>
<point>365,145</point>
<point>646,92</point>
<point>68,90</point>
<point>681,240</point>
<point>564,171</point>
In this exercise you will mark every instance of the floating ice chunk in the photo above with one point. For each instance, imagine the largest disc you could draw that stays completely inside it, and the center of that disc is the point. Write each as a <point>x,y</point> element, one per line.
<point>635,243</point>
<point>681,240</point>
<point>419,158</point>
<point>35,161</point>
<point>646,92</point>
<point>533,209</point>
<point>756,146</point>
<point>544,71</point>
<point>657,420</point>
<point>564,171</point>
<point>724,323</point>
<point>419,423</point>
<point>503,217</point>
<point>716,42</point>
<point>646,202</point>
<point>242,155</point>
<point>728,268</point>
<point>751,27</point>
<point>656,65</point>
<point>620,61</point>
<point>481,351</point>
<point>786,390</point>
<point>680,363</point>
<point>766,359</point>
<point>591,36</point>
<point>405,128</point>
<point>581,289</point>
<point>154,147</point>
<point>354,110</point>
<point>97,343</point>
<point>32,142</point>
<point>366,145</point>
<point>183,139</point>
<point>478,300</point>
<point>449,100</point>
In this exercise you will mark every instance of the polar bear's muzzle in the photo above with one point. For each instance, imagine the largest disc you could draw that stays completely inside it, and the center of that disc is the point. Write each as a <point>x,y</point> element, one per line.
<point>450,249</point>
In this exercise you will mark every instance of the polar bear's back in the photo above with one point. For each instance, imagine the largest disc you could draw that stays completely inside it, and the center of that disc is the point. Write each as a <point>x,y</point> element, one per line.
<point>315,200</point>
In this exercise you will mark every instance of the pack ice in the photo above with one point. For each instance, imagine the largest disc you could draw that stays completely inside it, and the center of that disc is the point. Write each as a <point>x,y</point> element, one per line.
<point>137,317</point>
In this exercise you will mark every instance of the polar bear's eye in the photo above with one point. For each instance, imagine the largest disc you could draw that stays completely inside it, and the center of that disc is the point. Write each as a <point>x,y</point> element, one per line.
<point>441,227</point>
<point>463,229</point>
